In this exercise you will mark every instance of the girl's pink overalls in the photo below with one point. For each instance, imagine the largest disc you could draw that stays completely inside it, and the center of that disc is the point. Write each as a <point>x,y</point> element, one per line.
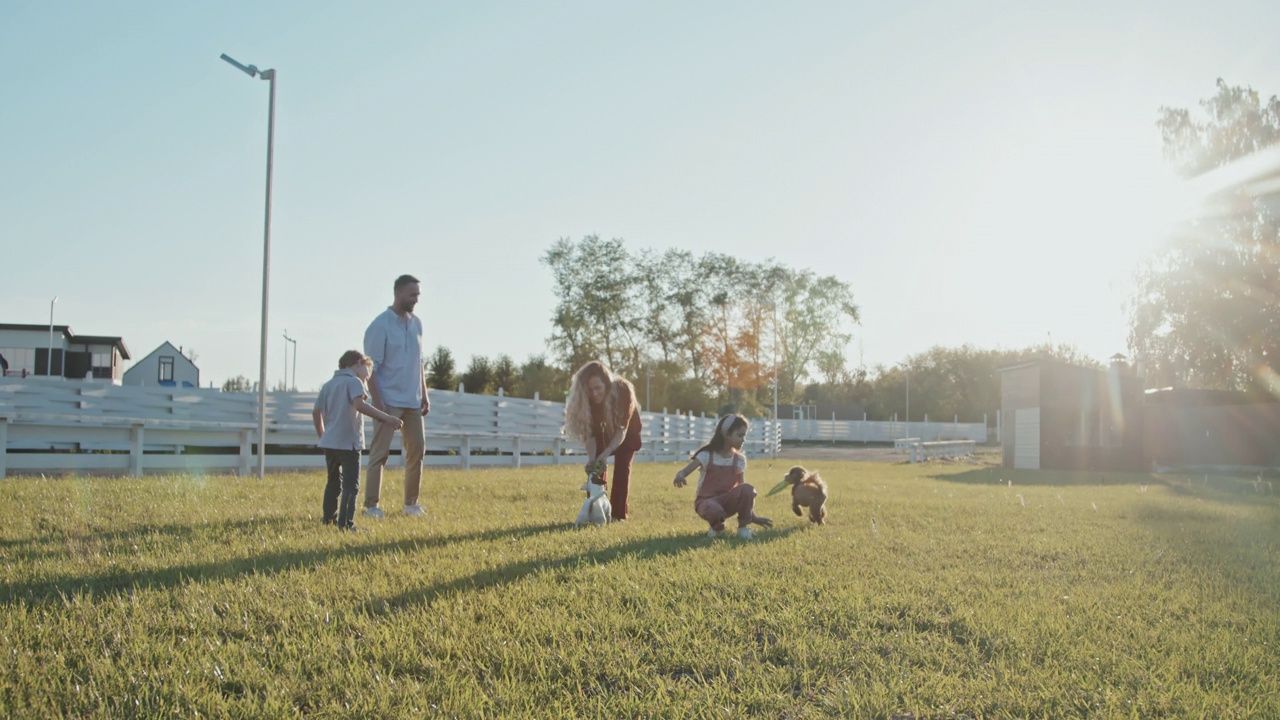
<point>723,493</point>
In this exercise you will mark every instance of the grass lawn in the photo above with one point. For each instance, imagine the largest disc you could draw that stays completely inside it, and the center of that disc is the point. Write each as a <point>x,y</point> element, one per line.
<point>935,591</point>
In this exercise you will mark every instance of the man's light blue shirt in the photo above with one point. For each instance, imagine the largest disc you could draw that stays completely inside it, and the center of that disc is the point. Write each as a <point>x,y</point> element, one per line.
<point>395,346</point>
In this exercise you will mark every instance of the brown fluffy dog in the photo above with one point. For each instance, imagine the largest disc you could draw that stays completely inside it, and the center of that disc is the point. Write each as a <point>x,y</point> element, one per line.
<point>808,490</point>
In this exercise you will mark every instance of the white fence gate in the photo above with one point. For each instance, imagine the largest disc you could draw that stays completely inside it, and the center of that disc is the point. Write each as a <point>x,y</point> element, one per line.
<point>65,426</point>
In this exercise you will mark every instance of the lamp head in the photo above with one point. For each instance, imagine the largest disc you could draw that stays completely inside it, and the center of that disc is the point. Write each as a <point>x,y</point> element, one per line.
<point>250,70</point>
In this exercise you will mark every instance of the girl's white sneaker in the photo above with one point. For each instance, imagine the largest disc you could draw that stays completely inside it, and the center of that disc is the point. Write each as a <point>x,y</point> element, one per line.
<point>746,533</point>
<point>714,533</point>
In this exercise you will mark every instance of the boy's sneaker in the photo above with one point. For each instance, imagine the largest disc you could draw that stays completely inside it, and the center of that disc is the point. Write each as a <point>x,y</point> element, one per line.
<point>746,533</point>
<point>714,533</point>
<point>414,510</point>
<point>374,512</point>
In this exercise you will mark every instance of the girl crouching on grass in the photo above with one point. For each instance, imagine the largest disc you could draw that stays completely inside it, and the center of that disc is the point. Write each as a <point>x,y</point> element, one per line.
<point>721,491</point>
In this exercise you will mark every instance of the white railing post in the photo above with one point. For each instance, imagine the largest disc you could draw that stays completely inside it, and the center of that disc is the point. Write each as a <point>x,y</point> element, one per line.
<point>4,445</point>
<point>246,454</point>
<point>465,452</point>
<point>135,449</point>
<point>515,452</point>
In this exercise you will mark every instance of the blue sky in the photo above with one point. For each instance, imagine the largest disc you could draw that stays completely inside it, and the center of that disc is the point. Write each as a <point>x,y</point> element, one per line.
<point>983,172</point>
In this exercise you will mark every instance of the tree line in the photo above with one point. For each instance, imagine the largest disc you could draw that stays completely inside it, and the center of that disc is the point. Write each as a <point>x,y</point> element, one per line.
<point>944,383</point>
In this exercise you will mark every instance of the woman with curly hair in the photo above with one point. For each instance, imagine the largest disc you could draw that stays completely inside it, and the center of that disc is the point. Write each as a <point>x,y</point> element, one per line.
<point>603,414</point>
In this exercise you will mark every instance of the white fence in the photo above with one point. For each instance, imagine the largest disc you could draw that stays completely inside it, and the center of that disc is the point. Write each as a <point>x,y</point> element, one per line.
<point>61,426</point>
<point>880,431</point>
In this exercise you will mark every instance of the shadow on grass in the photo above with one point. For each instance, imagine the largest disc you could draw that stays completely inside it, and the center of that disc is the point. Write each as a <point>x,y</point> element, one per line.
<point>1237,489</point>
<point>53,540</point>
<point>57,589</point>
<point>1230,550</point>
<point>640,549</point>
<point>1052,478</point>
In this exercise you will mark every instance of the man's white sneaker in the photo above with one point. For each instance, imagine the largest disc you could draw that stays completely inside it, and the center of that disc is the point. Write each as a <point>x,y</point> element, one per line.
<point>374,512</point>
<point>746,533</point>
<point>414,510</point>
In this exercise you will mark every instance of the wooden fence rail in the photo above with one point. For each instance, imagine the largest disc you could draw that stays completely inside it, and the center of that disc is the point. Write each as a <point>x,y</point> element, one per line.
<point>55,426</point>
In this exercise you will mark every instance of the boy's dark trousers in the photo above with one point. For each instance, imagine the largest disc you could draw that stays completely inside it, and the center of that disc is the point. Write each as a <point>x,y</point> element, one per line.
<point>344,483</point>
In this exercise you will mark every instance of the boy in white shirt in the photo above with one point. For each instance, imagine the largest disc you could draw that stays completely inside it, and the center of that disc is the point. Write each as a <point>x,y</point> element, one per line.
<point>336,415</point>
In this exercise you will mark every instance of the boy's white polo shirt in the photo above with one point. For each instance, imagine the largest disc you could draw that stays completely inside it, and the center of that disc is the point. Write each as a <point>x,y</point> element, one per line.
<point>343,428</point>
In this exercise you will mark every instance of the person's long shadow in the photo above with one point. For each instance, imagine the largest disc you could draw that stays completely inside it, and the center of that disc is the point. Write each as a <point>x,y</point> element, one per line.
<point>53,540</point>
<point>648,548</point>
<point>56,588</point>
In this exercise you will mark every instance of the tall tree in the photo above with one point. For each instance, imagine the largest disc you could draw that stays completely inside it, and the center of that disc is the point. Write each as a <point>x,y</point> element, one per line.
<point>505,374</point>
<point>539,377</point>
<point>238,383</point>
<point>440,369</point>
<point>688,307</point>
<point>727,343</point>
<point>597,315</point>
<point>663,281</point>
<point>478,377</point>
<point>816,314</point>
<point>1207,311</point>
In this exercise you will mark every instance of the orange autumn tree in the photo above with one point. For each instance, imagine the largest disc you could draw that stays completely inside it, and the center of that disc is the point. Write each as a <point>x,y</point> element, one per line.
<point>733,347</point>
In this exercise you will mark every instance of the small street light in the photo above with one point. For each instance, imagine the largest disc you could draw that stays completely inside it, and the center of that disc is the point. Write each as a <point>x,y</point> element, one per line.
<point>293,386</point>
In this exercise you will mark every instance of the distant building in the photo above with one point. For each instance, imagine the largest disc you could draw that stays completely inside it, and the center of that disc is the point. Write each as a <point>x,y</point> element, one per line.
<point>29,350</point>
<point>1211,430</point>
<point>1057,416</point>
<point>165,366</point>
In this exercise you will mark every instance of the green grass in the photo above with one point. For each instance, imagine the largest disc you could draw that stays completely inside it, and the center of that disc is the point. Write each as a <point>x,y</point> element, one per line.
<point>934,591</point>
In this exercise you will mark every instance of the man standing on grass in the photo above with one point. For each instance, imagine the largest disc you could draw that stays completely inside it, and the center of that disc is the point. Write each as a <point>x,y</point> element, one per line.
<point>398,387</point>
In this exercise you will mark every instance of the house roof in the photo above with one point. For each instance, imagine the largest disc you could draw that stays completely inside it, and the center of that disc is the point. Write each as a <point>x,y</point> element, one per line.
<point>1047,360</point>
<point>166,344</point>
<point>103,340</point>
<point>65,330</point>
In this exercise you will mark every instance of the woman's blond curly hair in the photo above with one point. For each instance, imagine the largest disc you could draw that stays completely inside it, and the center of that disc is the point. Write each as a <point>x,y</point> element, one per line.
<point>577,407</point>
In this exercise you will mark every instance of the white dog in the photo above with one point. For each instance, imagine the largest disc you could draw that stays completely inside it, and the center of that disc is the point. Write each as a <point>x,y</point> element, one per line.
<point>596,509</point>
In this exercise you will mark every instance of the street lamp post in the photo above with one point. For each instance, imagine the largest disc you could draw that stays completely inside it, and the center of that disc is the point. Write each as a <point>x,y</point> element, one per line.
<point>49,365</point>
<point>648,378</point>
<point>269,75</point>
<point>907,369</point>
<point>294,385</point>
